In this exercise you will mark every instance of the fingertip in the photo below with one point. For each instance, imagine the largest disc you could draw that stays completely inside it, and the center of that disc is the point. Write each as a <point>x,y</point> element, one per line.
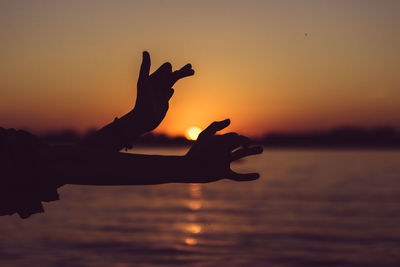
<point>144,67</point>
<point>146,56</point>
<point>242,177</point>
<point>251,176</point>
<point>215,127</point>
<point>187,66</point>
<point>168,66</point>
<point>223,124</point>
<point>185,72</point>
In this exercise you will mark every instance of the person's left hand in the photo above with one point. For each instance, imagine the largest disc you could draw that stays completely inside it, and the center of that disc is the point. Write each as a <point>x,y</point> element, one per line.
<point>154,92</point>
<point>211,155</point>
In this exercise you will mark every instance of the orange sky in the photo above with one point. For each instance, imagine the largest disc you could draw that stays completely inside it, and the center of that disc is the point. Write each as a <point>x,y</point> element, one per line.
<point>267,65</point>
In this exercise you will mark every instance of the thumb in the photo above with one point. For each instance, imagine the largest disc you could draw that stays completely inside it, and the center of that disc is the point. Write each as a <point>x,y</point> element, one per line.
<point>145,67</point>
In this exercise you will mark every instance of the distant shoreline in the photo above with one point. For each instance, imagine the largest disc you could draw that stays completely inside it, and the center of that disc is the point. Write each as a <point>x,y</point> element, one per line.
<point>266,147</point>
<point>342,138</point>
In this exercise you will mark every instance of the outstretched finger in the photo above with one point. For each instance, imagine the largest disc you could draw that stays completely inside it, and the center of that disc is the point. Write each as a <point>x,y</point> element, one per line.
<point>145,67</point>
<point>232,141</point>
<point>215,127</point>
<point>243,176</point>
<point>245,152</point>
<point>185,71</point>
<point>164,70</point>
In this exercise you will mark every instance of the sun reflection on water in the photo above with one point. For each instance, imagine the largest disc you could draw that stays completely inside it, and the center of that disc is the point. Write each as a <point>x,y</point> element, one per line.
<point>194,203</point>
<point>190,241</point>
<point>194,228</point>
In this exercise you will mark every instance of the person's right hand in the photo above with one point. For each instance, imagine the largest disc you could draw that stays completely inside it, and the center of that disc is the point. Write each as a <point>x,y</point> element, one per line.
<point>154,92</point>
<point>211,155</point>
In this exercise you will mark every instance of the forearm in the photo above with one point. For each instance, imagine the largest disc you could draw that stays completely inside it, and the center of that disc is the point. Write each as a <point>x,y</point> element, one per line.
<point>89,167</point>
<point>117,135</point>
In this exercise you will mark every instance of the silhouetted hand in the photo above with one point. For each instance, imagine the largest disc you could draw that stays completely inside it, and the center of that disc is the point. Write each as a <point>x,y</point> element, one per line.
<point>212,154</point>
<point>154,92</point>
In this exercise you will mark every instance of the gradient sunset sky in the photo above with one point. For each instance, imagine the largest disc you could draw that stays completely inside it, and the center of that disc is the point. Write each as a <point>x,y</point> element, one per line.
<point>267,65</point>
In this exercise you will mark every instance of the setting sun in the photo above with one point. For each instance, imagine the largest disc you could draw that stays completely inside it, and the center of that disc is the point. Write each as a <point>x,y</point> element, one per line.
<point>192,133</point>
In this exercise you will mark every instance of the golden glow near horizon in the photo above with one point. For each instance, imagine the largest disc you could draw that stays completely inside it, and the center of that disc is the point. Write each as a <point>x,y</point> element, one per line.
<point>266,65</point>
<point>192,133</point>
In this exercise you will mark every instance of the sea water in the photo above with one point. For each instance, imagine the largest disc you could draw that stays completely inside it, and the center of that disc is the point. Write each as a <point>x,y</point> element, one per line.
<point>309,208</point>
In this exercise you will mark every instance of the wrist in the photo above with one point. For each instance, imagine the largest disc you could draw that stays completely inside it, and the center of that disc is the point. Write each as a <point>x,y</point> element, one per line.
<point>139,120</point>
<point>133,121</point>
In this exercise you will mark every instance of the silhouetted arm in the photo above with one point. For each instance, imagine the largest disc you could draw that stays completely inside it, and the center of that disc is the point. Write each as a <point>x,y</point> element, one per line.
<point>208,160</point>
<point>71,165</point>
<point>153,94</point>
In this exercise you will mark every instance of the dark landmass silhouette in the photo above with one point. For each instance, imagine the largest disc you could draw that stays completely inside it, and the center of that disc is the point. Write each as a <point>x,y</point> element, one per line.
<point>68,137</point>
<point>337,138</point>
<point>65,137</point>
<point>341,137</point>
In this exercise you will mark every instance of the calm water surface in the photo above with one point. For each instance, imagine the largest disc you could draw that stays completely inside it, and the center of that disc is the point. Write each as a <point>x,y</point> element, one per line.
<point>310,208</point>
